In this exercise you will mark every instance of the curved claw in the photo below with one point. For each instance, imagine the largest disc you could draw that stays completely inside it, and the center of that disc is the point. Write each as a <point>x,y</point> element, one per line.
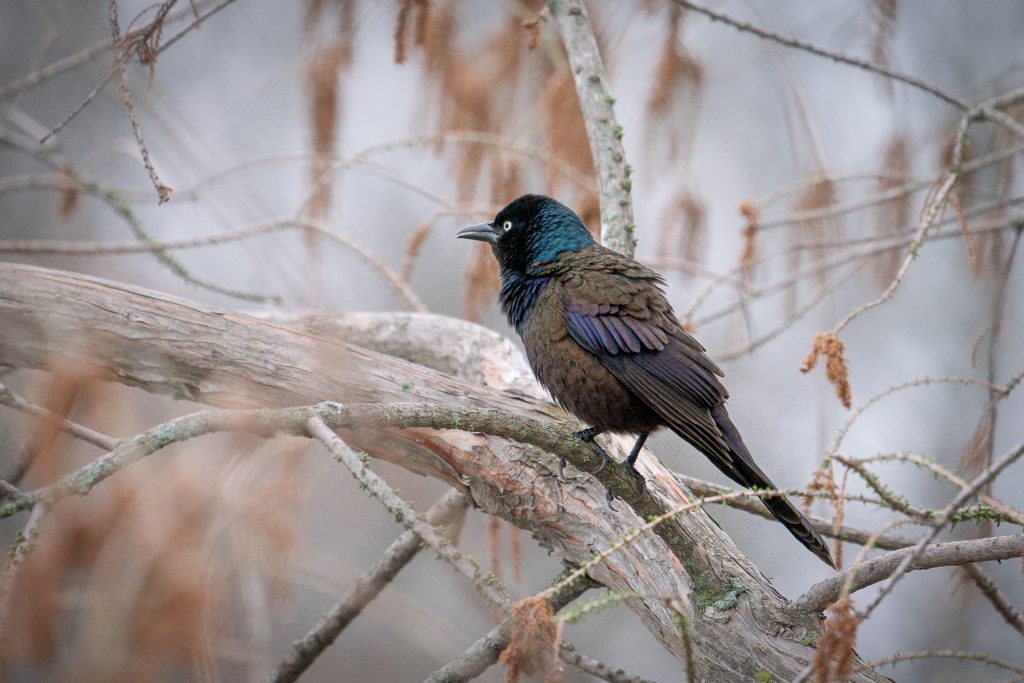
<point>587,436</point>
<point>604,458</point>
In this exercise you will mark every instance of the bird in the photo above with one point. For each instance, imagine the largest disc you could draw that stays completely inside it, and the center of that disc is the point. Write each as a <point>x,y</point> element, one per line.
<point>602,338</point>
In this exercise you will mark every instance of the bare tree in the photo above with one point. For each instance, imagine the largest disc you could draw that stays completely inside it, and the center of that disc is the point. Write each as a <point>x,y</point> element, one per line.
<point>174,550</point>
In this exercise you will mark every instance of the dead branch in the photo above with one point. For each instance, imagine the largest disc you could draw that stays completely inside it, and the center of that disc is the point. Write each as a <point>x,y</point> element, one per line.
<point>484,652</point>
<point>947,554</point>
<point>305,651</point>
<point>828,54</point>
<point>1000,603</point>
<point>169,346</point>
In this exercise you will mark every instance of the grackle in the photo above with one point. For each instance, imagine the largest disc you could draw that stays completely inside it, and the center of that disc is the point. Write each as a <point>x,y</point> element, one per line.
<point>602,338</point>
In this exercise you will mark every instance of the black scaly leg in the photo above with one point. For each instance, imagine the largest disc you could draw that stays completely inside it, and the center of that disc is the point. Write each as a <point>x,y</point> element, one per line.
<point>586,435</point>
<point>630,463</point>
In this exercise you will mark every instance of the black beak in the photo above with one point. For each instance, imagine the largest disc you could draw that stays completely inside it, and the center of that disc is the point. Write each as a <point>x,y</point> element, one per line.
<point>484,232</point>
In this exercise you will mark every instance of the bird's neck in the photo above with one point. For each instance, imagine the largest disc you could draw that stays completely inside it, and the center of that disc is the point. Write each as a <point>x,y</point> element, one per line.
<point>519,292</point>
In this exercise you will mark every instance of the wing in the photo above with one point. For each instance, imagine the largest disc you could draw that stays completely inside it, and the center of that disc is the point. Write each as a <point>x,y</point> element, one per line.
<point>617,311</point>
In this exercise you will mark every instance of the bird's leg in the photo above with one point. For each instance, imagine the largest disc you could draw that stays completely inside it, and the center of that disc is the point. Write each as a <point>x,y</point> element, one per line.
<point>586,435</point>
<point>630,463</point>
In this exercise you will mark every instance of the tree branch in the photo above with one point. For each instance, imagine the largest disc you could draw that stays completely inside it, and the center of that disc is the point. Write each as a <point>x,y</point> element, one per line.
<point>828,54</point>
<point>603,131</point>
<point>999,601</point>
<point>24,461</point>
<point>820,595</point>
<point>941,520</point>
<point>482,654</point>
<point>305,651</point>
<point>171,346</point>
<point>825,527</point>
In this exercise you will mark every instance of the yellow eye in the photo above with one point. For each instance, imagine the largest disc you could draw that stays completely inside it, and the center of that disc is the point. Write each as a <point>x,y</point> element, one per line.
<point>506,226</point>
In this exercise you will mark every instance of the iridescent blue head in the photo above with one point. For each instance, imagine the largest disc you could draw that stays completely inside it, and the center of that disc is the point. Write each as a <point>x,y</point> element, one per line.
<point>526,234</point>
<point>530,231</point>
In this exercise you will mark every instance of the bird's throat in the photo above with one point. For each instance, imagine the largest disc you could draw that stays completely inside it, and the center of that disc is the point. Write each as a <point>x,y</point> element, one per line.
<point>519,292</point>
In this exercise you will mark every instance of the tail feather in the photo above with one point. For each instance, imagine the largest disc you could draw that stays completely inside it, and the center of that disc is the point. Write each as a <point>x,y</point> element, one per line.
<point>744,471</point>
<point>799,526</point>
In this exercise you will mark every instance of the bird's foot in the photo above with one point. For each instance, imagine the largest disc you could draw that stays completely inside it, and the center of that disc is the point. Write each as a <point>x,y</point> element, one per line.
<point>587,436</point>
<point>609,496</point>
<point>639,479</point>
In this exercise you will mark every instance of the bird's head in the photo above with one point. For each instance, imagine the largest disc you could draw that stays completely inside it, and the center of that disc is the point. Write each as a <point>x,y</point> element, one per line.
<point>532,229</point>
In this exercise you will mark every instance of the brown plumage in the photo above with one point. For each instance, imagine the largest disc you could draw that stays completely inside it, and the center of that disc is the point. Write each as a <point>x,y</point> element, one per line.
<point>601,336</point>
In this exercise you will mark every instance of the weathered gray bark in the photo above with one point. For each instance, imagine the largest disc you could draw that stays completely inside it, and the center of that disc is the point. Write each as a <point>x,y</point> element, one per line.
<point>161,344</point>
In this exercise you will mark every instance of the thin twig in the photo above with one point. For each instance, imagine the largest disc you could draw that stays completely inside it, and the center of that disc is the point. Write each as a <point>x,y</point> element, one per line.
<point>940,522</point>
<point>1006,512</point>
<point>174,265</point>
<point>596,668</point>
<point>120,58</point>
<point>19,551</point>
<point>87,54</point>
<point>21,463</point>
<point>875,247</point>
<point>995,596</point>
<point>380,490</point>
<point>896,193</point>
<point>9,490</point>
<point>125,212</point>
<point>482,654</point>
<point>943,654</point>
<point>367,587</point>
<point>55,68</point>
<point>822,525</point>
<point>78,109</point>
<point>909,384</point>
<point>932,210</point>
<point>458,137</point>
<point>147,243</point>
<point>12,400</point>
<point>679,613</point>
<point>798,313</point>
<point>828,54</point>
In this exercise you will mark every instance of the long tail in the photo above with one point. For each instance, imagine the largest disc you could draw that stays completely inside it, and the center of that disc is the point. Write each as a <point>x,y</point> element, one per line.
<point>745,472</point>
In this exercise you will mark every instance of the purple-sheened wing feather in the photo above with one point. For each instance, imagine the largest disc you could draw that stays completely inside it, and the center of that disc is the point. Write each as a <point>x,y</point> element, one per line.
<point>627,323</point>
<point>614,308</point>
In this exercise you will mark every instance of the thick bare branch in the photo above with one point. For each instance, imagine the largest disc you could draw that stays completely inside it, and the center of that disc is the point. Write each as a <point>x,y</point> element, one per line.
<point>871,572</point>
<point>170,346</point>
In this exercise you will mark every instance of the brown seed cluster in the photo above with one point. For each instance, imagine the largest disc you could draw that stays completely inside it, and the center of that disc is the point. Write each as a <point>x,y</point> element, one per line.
<point>833,659</point>
<point>828,345</point>
<point>533,642</point>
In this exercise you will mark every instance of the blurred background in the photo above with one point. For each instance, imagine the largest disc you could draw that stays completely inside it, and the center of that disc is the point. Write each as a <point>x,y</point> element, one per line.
<point>341,144</point>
